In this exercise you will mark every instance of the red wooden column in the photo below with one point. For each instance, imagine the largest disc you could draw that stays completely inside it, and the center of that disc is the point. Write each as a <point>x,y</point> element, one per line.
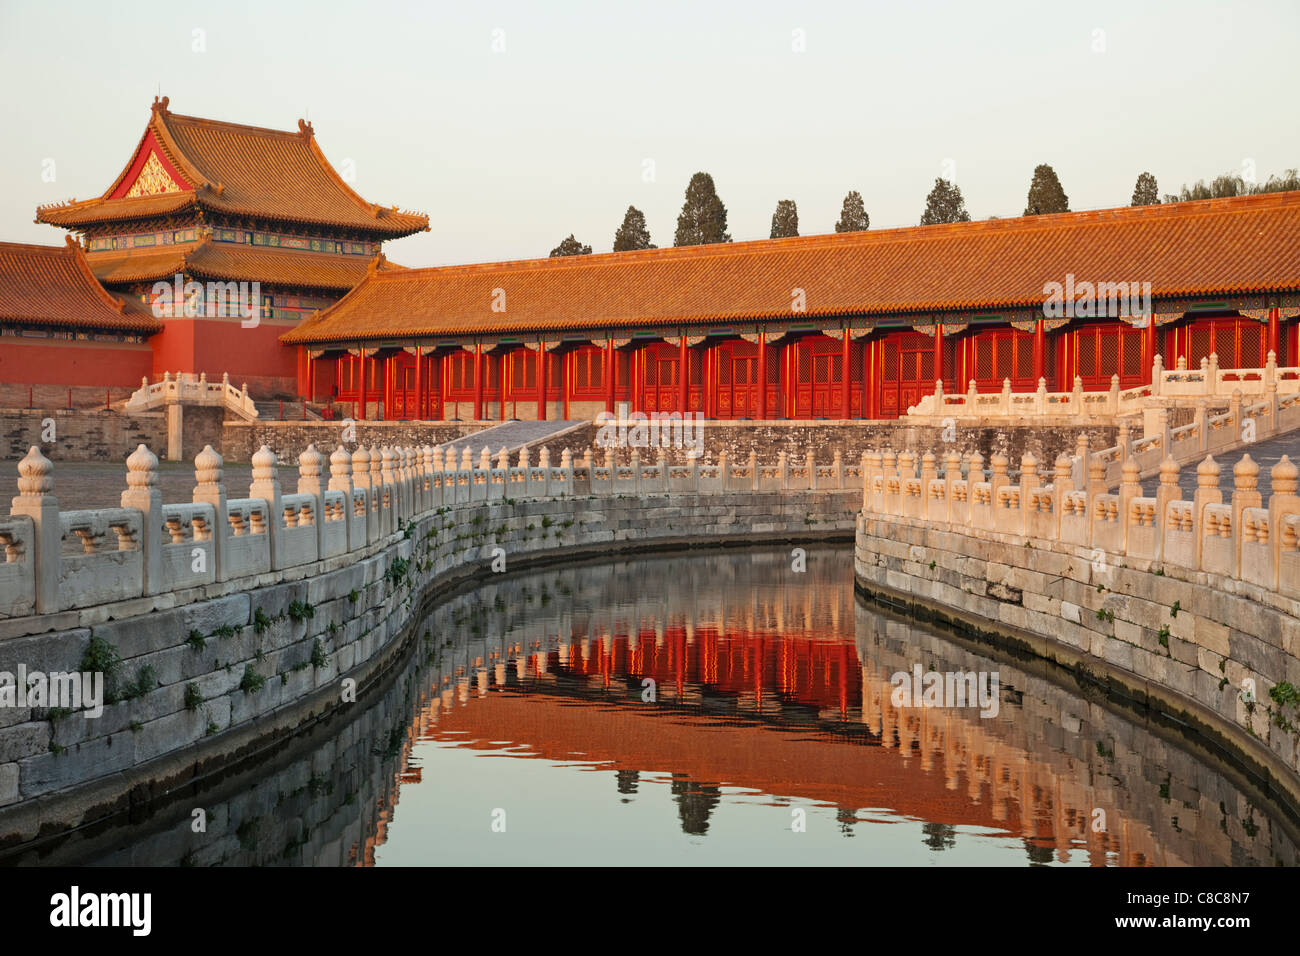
<point>478,381</point>
<point>387,370</point>
<point>938,353</point>
<point>311,374</point>
<point>541,381</point>
<point>1040,351</point>
<point>683,386</point>
<point>611,365</point>
<point>846,408</point>
<point>789,357</point>
<point>361,384</point>
<point>419,383</point>
<point>1273,336</point>
<point>868,353</point>
<point>566,372</point>
<point>501,383</point>
<point>1151,342</point>
<point>706,381</point>
<point>439,374</point>
<point>762,376</point>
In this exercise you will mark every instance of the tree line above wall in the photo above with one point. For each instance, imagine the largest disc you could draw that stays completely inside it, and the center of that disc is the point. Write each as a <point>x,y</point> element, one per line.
<point>703,219</point>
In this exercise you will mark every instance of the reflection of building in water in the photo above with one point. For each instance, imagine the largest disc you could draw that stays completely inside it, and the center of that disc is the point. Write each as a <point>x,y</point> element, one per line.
<point>759,684</point>
<point>695,801</point>
<point>798,712</point>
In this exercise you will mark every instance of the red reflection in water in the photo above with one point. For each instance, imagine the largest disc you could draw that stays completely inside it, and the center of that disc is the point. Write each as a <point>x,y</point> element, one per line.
<point>808,720</point>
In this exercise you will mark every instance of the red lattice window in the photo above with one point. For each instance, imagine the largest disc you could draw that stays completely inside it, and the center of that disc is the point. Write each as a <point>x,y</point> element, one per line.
<point>588,369</point>
<point>1238,342</point>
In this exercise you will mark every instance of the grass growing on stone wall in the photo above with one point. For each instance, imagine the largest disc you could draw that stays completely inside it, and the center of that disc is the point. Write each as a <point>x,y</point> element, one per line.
<point>252,681</point>
<point>260,621</point>
<point>318,656</point>
<point>301,611</point>
<point>1284,695</point>
<point>101,657</point>
<point>146,679</point>
<point>193,696</point>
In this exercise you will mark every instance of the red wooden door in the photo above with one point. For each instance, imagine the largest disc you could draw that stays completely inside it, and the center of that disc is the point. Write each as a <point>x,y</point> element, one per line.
<point>819,367</point>
<point>1001,354</point>
<point>1238,342</point>
<point>738,392</point>
<point>1101,350</point>
<point>907,372</point>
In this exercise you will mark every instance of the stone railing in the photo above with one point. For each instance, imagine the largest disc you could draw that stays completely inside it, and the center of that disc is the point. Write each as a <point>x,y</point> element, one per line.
<point>190,389</point>
<point>1169,387</point>
<point>1007,405</point>
<point>58,561</point>
<point>1243,538</point>
<point>1188,606</point>
<point>1240,425</point>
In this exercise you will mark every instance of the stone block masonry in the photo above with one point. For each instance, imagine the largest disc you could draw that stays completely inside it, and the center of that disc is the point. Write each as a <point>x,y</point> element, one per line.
<point>79,434</point>
<point>1189,607</point>
<point>300,590</point>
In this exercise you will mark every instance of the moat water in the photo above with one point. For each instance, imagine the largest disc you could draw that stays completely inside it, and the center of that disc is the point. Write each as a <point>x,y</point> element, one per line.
<point>711,708</point>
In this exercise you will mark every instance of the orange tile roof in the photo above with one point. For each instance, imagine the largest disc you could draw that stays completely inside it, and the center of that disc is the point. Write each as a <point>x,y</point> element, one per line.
<point>1212,247</point>
<point>53,286</point>
<point>240,170</point>
<point>228,261</point>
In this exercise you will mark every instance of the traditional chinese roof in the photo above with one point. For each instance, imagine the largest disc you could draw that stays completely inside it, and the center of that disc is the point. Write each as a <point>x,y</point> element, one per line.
<point>1212,247</point>
<point>233,262</point>
<point>53,286</point>
<point>187,163</point>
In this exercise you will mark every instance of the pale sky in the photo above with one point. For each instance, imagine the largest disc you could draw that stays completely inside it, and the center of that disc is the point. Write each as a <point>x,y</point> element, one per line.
<point>508,152</point>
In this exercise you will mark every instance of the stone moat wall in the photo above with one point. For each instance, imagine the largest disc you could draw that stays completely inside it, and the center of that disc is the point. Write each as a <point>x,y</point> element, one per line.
<point>1183,642</point>
<point>220,673</point>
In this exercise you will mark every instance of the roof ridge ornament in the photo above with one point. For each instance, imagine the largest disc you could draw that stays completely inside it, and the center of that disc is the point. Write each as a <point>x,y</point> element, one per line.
<point>160,104</point>
<point>305,129</point>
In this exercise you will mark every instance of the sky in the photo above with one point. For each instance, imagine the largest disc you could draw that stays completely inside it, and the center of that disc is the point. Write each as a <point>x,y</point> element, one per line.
<point>513,125</point>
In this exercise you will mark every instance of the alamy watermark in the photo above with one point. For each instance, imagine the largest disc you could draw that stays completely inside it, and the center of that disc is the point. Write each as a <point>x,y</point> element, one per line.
<point>1084,299</point>
<point>213,300</point>
<point>656,430</point>
<point>71,691</point>
<point>946,689</point>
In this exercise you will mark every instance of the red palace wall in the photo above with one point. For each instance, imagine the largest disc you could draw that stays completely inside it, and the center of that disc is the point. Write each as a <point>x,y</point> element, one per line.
<point>42,361</point>
<point>252,356</point>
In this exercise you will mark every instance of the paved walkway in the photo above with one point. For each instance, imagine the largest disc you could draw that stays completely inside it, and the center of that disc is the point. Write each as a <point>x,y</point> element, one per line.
<point>510,435</point>
<point>1266,454</point>
<point>79,484</point>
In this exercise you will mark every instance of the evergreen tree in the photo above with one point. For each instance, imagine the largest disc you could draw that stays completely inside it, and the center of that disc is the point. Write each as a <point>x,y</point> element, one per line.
<point>633,234</point>
<point>1146,192</point>
<point>570,247</point>
<point>944,204</point>
<point>785,221</point>
<point>1045,193</point>
<point>853,215</point>
<point>703,218</point>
